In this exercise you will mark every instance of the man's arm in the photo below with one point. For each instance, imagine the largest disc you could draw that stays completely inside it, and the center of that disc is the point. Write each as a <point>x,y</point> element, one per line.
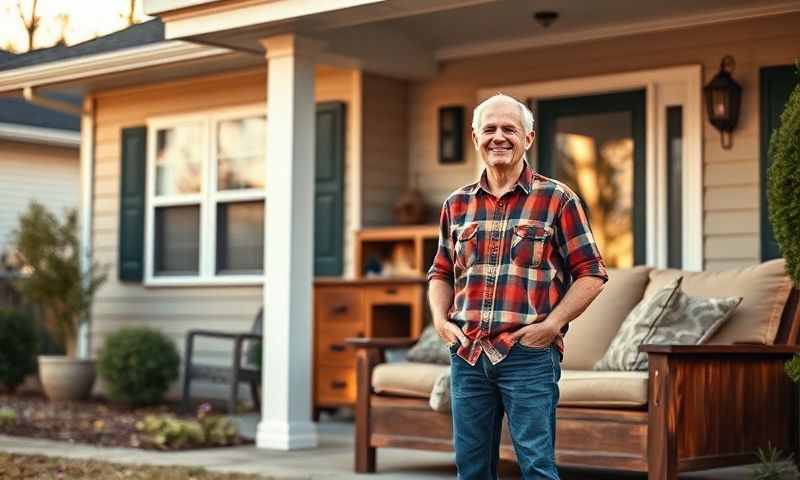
<point>440,297</point>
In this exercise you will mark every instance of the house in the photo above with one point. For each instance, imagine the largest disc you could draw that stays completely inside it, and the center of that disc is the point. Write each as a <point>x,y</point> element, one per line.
<point>38,161</point>
<point>206,208</point>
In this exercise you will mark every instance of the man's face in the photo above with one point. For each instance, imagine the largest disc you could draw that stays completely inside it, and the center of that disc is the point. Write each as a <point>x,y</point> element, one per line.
<point>501,139</point>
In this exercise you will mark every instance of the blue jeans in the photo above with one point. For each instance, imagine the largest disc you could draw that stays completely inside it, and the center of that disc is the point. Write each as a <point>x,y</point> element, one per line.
<point>525,387</point>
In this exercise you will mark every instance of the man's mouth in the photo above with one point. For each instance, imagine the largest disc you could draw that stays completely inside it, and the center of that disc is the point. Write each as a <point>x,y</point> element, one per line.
<point>500,149</point>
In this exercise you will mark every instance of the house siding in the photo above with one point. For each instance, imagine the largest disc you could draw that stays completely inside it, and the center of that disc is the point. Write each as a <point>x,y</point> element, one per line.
<point>174,310</point>
<point>50,175</point>
<point>731,181</point>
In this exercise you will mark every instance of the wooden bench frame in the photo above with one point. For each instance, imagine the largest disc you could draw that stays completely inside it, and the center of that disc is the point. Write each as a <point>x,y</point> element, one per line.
<point>709,406</point>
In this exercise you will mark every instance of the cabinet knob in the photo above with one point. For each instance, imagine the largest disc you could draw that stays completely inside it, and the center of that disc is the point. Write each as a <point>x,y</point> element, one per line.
<point>339,309</point>
<point>338,384</point>
<point>337,347</point>
<point>391,291</point>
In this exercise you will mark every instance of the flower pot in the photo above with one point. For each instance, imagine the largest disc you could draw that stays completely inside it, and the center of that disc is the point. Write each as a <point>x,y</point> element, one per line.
<point>66,378</point>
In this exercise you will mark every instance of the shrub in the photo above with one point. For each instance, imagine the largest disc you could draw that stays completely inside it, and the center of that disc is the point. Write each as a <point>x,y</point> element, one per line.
<point>783,184</point>
<point>8,416</point>
<point>167,432</point>
<point>138,364</point>
<point>773,465</point>
<point>17,348</point>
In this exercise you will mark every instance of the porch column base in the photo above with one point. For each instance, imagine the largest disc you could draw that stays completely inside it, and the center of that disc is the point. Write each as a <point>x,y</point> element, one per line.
<point>278,435</point>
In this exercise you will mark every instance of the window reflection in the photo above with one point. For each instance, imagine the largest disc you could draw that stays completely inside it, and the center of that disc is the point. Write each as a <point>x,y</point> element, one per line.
<point>179,159</point>
<point>241,145</point>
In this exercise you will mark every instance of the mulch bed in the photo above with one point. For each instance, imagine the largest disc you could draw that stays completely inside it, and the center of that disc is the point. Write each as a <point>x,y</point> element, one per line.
<point>18,467</point>
<point>95,421</point>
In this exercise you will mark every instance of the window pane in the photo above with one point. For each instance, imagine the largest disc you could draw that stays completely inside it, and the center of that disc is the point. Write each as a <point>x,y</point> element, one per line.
<point>177,240</point>
<point>241,145</point>
<point>595,158</point>
<point>240,237</point>
<point>179,159</point>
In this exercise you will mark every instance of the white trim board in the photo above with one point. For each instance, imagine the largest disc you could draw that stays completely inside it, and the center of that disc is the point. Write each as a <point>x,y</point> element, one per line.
<point>665,87</point>
<point>40,135</point>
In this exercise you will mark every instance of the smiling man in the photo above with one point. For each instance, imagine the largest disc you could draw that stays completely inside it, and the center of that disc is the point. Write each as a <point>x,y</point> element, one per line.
<point>516,263</point>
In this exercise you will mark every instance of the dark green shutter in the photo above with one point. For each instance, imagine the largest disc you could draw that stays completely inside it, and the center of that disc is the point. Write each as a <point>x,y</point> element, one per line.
<point>329,190</point>
<point>131,206</point>
<point>777,84</point>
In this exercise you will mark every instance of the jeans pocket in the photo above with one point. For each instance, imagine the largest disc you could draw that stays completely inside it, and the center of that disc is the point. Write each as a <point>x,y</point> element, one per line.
<point>526,348</point>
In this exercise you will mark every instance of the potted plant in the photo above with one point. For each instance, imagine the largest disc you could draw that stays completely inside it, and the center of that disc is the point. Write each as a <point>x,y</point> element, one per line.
<point>47,253</point>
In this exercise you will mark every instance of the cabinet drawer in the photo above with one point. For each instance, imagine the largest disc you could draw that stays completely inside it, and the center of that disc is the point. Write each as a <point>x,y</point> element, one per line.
<point>337,305</point>
<point>406,294</point>
<point>330,346</point>
<point>336,385</point>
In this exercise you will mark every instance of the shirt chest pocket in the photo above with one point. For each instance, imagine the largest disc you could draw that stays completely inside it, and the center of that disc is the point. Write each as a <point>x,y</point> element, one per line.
<point>467,245</point>
<point>529,244</point>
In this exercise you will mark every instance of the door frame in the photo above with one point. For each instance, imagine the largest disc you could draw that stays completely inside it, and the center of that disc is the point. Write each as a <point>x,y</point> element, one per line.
<point>665,87</point>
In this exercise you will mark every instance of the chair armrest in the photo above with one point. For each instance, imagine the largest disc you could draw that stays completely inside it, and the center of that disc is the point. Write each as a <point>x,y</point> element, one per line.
<point>226,335</point>
<point>739,349</point>
<point>380,343</point>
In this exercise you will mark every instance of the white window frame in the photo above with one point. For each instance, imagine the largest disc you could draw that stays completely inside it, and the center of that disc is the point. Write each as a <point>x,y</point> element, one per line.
<point>207,199</point>
<point>665,87</point>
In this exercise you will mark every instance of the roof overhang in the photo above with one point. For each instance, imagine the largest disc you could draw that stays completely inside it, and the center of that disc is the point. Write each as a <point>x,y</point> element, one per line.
<point>40,135</point>
<point>159,61</point>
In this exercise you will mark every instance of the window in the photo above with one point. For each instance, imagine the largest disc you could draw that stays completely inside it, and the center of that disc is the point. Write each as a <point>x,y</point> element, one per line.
<point>205,198</point>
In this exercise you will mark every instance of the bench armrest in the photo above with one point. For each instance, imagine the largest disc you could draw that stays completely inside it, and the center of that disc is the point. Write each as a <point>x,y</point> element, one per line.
<point>380,343</point>
<point>226,335</point>
<point>739,349</point>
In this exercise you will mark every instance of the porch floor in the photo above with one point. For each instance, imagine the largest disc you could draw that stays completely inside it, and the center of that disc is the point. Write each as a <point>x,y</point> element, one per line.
<point>333,459</point>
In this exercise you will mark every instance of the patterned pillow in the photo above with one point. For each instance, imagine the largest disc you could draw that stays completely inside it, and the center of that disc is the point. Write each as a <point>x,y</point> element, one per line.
<point>670,317</point>
<point>429,348</point>
<point>440,395</point>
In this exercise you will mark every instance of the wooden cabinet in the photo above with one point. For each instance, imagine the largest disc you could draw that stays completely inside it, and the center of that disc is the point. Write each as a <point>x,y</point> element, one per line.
<point>357,308</point>
<point>388,304</point>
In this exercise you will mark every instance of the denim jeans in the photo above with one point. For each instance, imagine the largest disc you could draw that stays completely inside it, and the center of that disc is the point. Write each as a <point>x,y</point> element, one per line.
<point>523,386</point>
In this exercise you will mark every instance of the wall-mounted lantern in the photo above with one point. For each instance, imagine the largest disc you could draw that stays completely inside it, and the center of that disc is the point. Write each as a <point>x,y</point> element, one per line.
<point>723,98</point>
<point>451,134</point>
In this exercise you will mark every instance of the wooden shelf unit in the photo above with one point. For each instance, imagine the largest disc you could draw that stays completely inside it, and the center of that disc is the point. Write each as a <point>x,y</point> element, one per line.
<point>381,306</point>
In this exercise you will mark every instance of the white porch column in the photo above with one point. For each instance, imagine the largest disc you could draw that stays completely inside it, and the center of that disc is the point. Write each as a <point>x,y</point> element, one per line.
<point>289,246</point>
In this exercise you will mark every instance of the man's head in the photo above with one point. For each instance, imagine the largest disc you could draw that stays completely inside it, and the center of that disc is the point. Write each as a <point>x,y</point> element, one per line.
<point>502,130</point>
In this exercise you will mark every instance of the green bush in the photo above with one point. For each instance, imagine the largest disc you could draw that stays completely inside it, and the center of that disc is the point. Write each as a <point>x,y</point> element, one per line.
<point>773,465</point>
<point>17,348</point>
<point>167,432</point>
<point>138,365</point>
<point>783,184</point>
<point>8,416</point>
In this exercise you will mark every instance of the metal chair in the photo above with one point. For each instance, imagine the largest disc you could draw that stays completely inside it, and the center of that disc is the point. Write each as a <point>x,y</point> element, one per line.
<point>239,371</point>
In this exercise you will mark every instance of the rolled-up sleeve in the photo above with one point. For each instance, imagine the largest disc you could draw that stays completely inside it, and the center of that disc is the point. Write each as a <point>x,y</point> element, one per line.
<point>442,267</point>
<point>576,242</point>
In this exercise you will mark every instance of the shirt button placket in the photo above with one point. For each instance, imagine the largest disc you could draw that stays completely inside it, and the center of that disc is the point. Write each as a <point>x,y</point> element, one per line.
<point>494,248</point>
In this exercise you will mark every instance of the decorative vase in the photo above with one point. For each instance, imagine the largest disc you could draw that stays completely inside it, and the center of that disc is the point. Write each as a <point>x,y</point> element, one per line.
<point>66,378</point>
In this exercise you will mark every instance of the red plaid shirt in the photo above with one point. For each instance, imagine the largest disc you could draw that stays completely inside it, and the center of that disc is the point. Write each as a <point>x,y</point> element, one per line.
<point>511,260</point>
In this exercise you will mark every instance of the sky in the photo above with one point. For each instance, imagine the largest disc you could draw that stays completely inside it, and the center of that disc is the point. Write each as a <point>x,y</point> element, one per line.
<point>87,19</point>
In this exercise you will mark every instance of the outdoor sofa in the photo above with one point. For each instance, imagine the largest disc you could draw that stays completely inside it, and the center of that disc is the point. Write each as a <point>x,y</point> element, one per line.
<point>697,407</point>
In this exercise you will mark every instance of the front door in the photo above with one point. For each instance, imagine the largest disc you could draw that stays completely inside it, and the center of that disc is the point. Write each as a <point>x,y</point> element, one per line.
<point>596,145</point>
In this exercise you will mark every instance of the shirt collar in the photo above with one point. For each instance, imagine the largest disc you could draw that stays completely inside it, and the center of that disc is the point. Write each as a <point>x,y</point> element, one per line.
<point>525,181</point>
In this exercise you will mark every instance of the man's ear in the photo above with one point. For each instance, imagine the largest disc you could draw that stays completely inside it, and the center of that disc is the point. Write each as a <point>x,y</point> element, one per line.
<point>529,138</point>
<point>475,141</point>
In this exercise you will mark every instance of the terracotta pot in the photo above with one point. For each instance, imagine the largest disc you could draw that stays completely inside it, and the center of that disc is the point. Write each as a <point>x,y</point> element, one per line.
<point>66,378</point>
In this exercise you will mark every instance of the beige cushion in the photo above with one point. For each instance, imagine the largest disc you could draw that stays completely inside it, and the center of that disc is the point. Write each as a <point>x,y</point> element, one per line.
<point>586,388</point>
<point>590,334</point>
<point>408,379</point>
<point>764,289</point>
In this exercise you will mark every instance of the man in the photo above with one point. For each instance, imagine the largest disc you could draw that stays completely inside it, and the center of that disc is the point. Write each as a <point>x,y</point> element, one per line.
<point>516,263</point>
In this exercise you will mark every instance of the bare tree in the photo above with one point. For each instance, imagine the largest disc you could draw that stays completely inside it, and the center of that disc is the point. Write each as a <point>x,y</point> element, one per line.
<point>130,15</point>
<point>32,23</point>
<point>63,22</point>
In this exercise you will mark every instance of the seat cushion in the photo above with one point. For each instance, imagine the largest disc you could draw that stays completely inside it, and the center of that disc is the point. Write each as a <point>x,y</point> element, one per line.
<point>407,379</point>
<point>590,334</point>
<point>764,290</point>
<point>586,388</point>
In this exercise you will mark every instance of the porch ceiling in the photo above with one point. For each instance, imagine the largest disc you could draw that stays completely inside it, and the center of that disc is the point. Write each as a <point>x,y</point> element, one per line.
<point>416,34</point>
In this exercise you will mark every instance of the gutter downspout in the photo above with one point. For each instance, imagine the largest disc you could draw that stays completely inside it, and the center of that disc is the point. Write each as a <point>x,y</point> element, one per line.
<point>86,212</point>
<point>65,107</point>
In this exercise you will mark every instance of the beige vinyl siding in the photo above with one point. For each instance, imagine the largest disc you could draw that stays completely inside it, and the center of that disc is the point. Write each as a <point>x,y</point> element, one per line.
<point>174,310</point>
<point>48,174</point>
<point>385,147</point>
<point>731,183</point>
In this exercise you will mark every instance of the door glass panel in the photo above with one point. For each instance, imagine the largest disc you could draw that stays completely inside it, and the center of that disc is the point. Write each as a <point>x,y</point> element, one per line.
<point>593,155</point>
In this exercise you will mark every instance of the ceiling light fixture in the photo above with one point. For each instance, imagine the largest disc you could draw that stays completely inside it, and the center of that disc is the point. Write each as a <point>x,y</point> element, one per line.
<point>545,18</point>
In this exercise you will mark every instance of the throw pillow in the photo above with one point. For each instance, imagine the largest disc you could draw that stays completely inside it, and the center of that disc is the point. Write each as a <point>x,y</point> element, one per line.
<point>440,395</point>
<point>623,352</point>
<point>429,348</point>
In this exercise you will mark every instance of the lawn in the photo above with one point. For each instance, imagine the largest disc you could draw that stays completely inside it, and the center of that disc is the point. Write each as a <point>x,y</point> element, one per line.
<point>17,467</point>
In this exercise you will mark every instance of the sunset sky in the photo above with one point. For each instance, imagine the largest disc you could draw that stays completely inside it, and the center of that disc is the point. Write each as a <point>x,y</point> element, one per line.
<point>87,19</point>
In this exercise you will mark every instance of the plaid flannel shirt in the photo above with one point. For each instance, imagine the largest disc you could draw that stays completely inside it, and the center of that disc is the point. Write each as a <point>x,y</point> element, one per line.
<point>511,260</point>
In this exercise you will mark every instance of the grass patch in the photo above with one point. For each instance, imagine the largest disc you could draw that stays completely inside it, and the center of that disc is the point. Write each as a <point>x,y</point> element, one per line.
<point>17,467</point>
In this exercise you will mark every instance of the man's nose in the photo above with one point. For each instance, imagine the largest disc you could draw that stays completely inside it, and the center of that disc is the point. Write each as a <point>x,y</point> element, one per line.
<point>498,136</point>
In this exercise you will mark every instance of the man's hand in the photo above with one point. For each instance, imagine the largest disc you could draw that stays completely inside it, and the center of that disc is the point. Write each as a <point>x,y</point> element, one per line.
<point>537,335</point>
<point>450,333</point>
